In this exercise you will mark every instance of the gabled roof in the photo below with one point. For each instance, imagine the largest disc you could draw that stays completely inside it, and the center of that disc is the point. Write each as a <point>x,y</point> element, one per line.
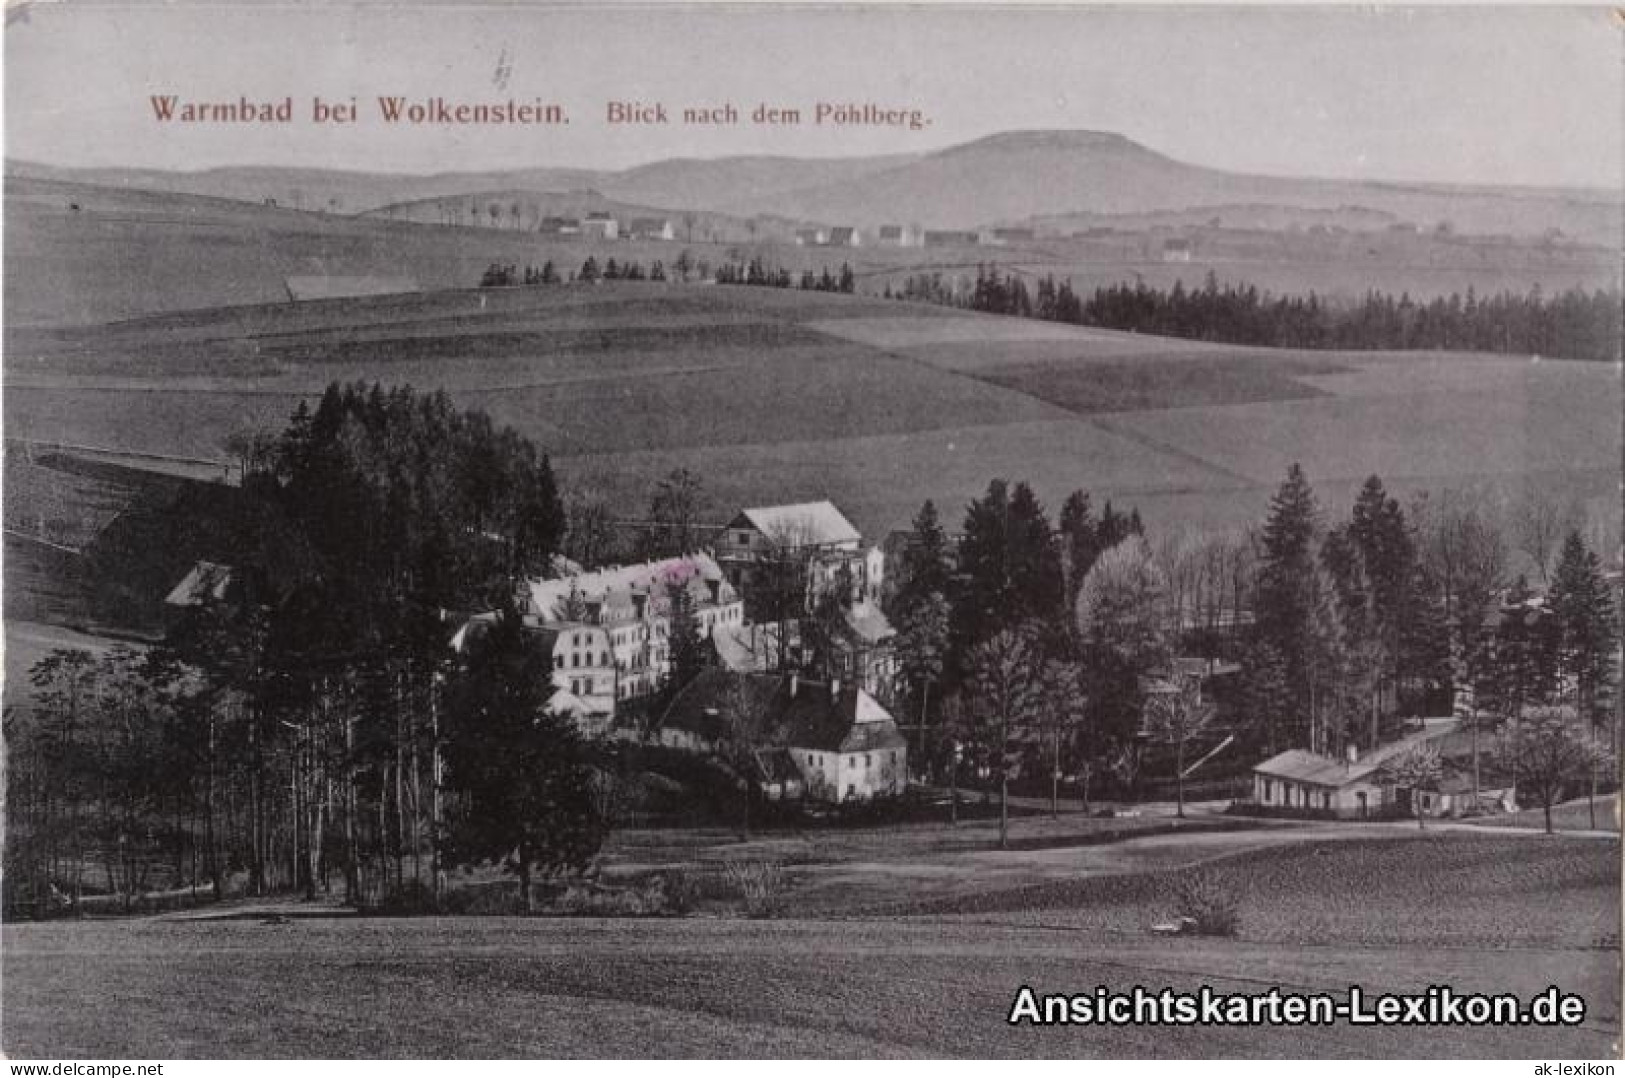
<point>808,524</point>
<point>206,580</point>
<point>612,589</point>
<point>564,702</point>
<point>868,625</point>
<point>1299,765</point>
<point>748,649</point>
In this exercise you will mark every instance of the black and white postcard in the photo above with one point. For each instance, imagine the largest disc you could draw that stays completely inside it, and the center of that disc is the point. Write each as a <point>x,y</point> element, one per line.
<point>856,531</point>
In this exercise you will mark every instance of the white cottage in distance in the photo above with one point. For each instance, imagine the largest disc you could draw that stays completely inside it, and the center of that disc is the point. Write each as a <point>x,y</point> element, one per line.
<point>814,534</point>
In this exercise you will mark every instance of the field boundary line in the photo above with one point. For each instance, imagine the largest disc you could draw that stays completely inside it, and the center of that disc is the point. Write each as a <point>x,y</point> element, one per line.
<point>1103,421</point>
<point>26,537</point>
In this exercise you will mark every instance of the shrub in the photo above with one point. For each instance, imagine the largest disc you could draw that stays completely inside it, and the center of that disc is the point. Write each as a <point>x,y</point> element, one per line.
<point>759,883</point>
<point>682,891</point>
<point>590,900</point>
<point>582,900</point>
<point>499,899</point>
<point>413,898</point>
<point>1209,905</point>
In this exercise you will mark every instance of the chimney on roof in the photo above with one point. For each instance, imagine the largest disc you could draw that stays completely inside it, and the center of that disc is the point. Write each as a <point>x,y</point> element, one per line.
<point>834,688</point>
<point>795,683</point>
<point>1352,754</point>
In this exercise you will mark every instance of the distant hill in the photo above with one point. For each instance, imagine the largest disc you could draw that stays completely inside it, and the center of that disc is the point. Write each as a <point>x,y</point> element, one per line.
<point>328,190</point>
<point>82,253</point>
<point>728,183</point>
<point>1009,177</point>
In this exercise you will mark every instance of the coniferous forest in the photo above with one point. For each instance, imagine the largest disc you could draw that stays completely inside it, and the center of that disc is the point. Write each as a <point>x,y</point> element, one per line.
<point>1573,324</point>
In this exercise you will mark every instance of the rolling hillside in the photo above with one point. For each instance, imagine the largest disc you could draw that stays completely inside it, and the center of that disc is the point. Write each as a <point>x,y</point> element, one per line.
<point>776,396</point>
<point>80,253</point>
<point>83,254</point>
<point>1002,178</point>
<point>1035,173</point>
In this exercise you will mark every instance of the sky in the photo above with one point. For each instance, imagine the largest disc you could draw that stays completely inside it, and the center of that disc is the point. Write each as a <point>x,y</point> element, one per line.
<point>1491,95</point>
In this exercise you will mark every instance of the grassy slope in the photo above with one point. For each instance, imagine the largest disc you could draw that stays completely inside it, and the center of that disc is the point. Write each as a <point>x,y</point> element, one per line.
<point>1574,815</point>
<point>785,395</point>
<point>123,252</point>
<point>1397,889</point>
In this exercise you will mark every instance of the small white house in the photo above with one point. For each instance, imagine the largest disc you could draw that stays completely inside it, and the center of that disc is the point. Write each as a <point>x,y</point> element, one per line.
<point>600,226</point>
<point>1359,785</point>
<point>843,744</point>
<point>1312,783</point>
<point>652,228</point>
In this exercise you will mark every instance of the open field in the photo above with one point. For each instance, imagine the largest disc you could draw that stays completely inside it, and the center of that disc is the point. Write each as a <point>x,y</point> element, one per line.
<point>1390,887</point>
<point>1571,816</point>
<point>920,986</point>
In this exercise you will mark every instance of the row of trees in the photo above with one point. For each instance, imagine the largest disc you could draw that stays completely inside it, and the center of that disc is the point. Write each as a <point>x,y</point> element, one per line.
<point>757,273</point>
<point>497,275</point>
<point>1574,323</point>
<point>309,723</point>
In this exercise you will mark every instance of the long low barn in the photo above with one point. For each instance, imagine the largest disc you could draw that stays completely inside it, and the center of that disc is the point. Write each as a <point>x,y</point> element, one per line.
<point>1357,786</point>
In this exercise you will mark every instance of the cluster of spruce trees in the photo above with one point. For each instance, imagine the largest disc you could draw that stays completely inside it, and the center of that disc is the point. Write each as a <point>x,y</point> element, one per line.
<point>757,273</point>
<point>307,722</point>
<point>1573,324</point>
<point>1000,596</point>
<point>497,275</point>
<point>1027,649</point>
<point>1393,612</point>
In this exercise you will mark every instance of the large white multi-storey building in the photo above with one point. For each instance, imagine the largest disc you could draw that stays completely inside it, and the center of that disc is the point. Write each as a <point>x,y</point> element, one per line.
<point>631,604</point>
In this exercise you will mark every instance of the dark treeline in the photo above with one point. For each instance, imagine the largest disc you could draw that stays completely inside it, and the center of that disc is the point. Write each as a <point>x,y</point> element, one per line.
<point>509,276</point>
<point>1574,324</point>
<point>756,273</point>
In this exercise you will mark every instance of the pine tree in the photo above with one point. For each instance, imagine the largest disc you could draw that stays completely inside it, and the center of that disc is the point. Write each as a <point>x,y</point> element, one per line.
<point>1080,541</point>
<point>1009,568</point>
<point>1290,604</point>
<point>522,779</point>
<point>1583,610</point>
<point>686,650</point>
<point>926,565</point>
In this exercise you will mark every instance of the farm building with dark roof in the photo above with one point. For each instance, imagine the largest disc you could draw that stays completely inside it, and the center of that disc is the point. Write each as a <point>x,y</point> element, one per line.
<point>844,745</point>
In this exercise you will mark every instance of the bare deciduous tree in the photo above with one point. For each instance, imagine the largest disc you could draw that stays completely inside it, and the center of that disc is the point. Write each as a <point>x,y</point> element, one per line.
<point>1540,520</point>
<point>1176,719</point>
